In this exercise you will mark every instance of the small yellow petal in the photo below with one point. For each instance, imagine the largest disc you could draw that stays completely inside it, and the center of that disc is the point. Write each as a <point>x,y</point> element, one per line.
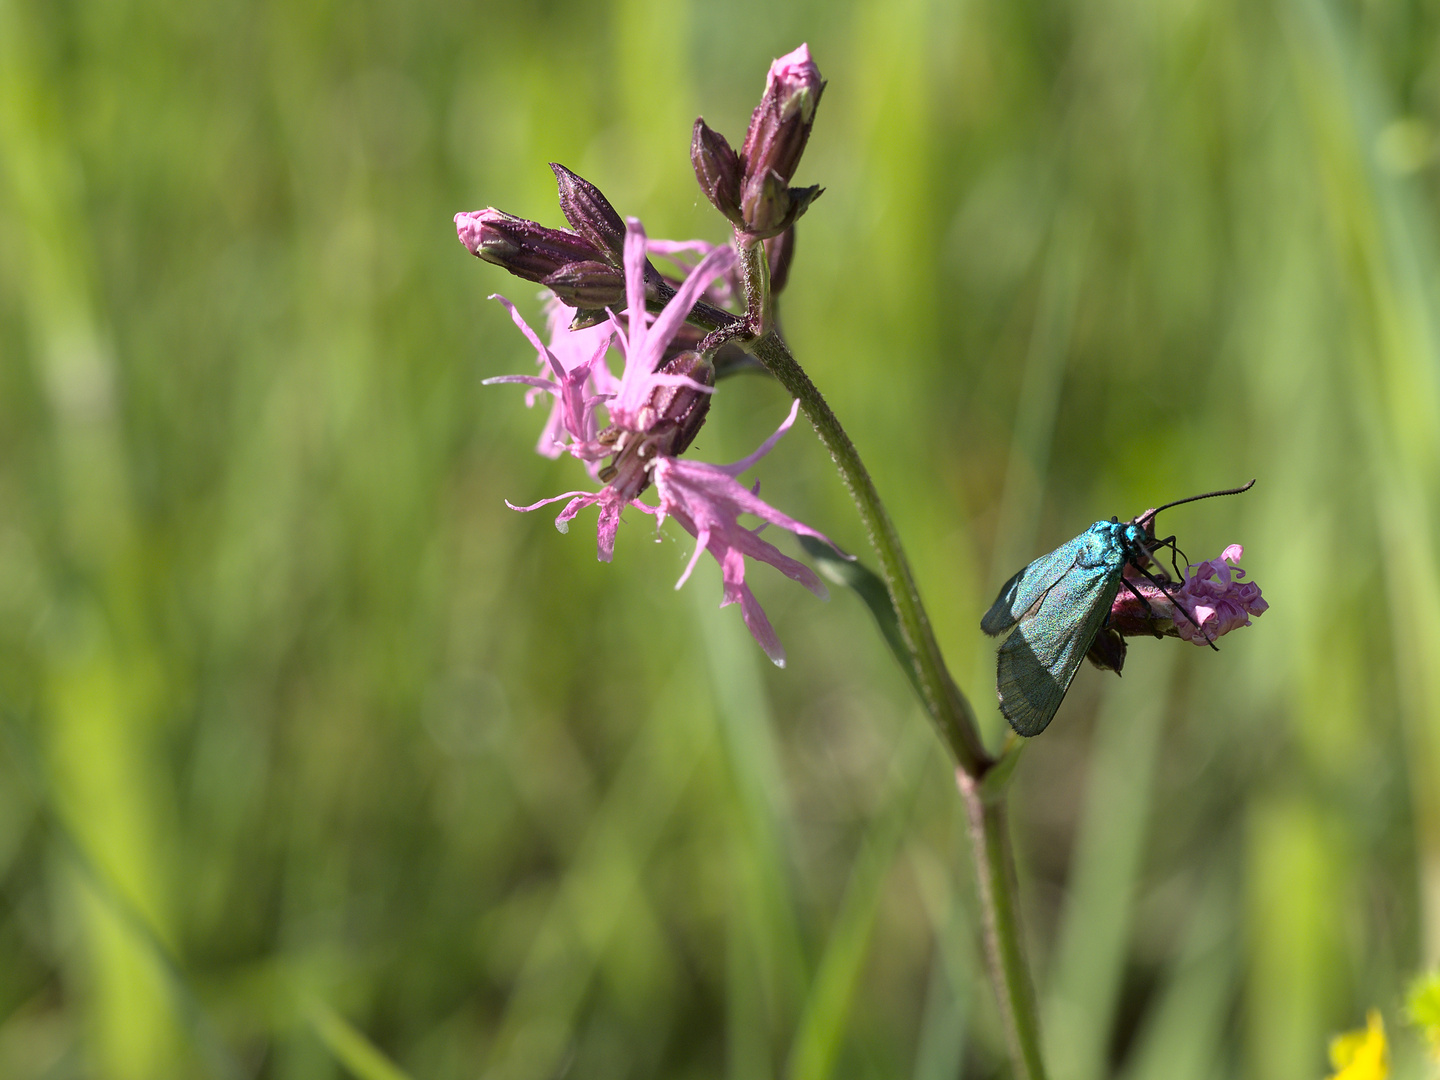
<point>1361,1055</point>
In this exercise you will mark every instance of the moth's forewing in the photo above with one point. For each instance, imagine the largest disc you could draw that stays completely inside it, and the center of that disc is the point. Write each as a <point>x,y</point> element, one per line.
<point>1035,664</point>
<point>1023,591</point>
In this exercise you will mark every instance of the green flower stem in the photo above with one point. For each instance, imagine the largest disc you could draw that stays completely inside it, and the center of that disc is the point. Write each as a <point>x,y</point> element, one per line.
<point>947,706</point>
<point>1004,949</point>
<point>951,712</point>
<point>982,790</point>
<point>943,700</point>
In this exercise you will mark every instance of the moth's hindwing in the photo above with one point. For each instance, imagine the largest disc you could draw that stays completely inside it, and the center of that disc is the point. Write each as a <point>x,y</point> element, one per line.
<point>1036,663</point>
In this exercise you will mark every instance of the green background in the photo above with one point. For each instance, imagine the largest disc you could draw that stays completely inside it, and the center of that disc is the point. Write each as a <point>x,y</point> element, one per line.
<point>317,761</point>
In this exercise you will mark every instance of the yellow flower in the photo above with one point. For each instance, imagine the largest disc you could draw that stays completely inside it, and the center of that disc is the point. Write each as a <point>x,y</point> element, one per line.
<point>1361,1055</point>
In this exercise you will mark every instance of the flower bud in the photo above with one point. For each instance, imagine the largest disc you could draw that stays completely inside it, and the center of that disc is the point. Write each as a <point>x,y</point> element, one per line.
<point>781,123</point>
<point>779,129</point>
<point>718,169</point>
<point>590,213</point>
<point>526,249</point>
<point>682,409</point>
<point>584,268</point>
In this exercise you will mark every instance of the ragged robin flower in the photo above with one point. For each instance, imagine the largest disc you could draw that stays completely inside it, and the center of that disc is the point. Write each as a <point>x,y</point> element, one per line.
<point>654,410</point>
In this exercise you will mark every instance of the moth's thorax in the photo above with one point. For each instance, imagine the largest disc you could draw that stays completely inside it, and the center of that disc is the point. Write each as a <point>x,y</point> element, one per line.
<point>1110,544</point>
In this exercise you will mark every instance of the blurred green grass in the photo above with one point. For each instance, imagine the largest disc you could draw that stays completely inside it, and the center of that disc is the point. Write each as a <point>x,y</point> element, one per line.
<point>317,761</point>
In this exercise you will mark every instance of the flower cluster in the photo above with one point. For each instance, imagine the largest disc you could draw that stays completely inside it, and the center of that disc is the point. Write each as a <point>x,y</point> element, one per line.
<point>1219,600</point>
<point>630,431</point>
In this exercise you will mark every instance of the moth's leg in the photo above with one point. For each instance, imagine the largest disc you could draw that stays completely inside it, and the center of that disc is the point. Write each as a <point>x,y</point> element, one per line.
<point>1149,611</point>
<point>1178,606</point>
<point>1175,551</point>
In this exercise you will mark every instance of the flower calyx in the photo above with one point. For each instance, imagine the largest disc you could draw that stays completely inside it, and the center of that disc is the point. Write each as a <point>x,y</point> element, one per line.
<point>666,425</point>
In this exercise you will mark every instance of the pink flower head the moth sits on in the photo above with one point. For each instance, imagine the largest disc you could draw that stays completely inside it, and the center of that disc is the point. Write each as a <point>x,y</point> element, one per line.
<point>1219,600</point>
<point>1211,591</point>
<point>654,410</point>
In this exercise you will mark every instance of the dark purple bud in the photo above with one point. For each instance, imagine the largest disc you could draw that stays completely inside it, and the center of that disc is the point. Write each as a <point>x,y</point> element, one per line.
<point>588,284</point>
<point>526,249</point>
<point>780,125</point>
<point>590,213</point>
<point>581,270</point>
<point>680,411</point>
<point>718,169</point>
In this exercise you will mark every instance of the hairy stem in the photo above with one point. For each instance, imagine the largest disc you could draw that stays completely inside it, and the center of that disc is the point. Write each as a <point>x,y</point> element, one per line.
<point>1004,948</point>
<point>947,706</point>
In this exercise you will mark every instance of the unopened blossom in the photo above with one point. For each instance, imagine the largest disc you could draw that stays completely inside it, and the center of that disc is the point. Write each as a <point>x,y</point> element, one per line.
<point>780,125</point>
<point>570,265</point>
<point>581,265</point>
<point>1212,600</point>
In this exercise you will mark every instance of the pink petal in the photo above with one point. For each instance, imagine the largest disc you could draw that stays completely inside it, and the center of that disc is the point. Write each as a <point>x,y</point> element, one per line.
<point>546,502</point>
<point>545,354</point>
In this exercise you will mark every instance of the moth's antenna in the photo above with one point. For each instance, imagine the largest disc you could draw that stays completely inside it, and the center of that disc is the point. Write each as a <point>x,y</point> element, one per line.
<point>1148,518</point>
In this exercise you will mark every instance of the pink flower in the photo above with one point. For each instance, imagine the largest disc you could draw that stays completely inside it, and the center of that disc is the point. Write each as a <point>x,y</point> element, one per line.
<point>707,500</point>
<point>612,502</point>
<point>572,362</point>
<point>1211,591</point>
<point>651,412</point>
<point>573,370</point>
<point>644,341</point>
<point>655,408</point>
<point>1215,595</point>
